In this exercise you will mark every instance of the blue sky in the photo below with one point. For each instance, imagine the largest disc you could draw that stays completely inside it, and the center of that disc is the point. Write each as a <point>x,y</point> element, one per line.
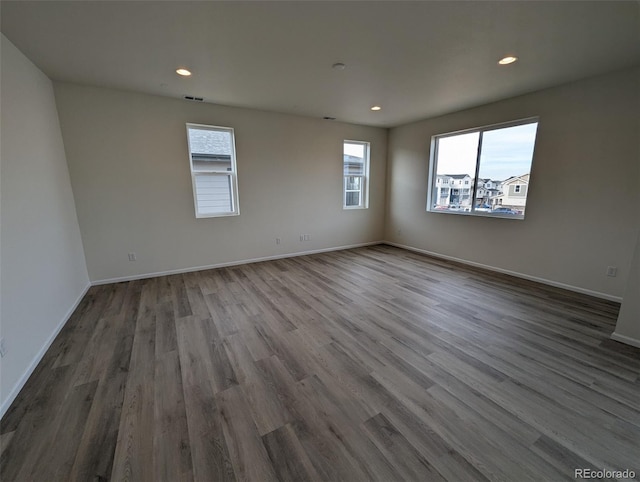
<point>505,152</point>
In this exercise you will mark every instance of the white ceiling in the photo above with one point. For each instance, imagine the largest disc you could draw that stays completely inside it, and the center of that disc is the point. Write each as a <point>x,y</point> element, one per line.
<point>415,59</point>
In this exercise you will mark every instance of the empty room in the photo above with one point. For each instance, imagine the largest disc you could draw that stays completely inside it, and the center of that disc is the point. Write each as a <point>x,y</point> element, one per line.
<point>319,240</point>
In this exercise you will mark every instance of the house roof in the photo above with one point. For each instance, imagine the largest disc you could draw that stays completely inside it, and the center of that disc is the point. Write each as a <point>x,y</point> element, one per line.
<point>350,158</point>
<point>205,141</point>
<point>524,178</point>
<point>455,176</point>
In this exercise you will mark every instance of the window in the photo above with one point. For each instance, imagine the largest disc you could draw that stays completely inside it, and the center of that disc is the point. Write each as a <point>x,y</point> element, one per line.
<point>498,156</point>
<point>212,156</point>
<point>356,175</point>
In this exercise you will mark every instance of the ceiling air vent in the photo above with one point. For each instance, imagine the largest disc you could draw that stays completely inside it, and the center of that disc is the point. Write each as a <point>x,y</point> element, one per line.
<point>193,98</point>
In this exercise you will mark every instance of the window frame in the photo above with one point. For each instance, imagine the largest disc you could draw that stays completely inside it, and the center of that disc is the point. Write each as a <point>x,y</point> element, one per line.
<point>231,175</point>
<point>364,178</point>
<point>433,156</point>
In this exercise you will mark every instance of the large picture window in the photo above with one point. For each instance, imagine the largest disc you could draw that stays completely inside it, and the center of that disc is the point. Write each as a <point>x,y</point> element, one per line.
<point>483,171</point>
<point>212,157</point>
<point>356,175</point>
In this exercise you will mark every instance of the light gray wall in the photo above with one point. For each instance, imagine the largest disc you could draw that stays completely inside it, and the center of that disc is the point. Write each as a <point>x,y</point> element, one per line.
<point>129,166</point>
<point>43,272</point>
<point>628,326</point>
<point>583,201</point>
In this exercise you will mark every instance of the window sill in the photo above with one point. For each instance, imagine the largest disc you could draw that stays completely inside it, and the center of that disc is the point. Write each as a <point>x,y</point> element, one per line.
<point>222,215</point>
<point>352,208</point>
<point>519,217</point>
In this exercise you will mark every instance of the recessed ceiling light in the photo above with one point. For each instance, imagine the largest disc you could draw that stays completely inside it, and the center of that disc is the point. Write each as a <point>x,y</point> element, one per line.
<point>183,72</point>
<point>507,60</point>
<point>376,107</point>
<point>338,66</point>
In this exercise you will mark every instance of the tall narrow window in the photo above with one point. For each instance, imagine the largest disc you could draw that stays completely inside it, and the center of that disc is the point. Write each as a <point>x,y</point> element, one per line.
<point>356,175</point>
<point>212,157</point>
<point>494,162</point>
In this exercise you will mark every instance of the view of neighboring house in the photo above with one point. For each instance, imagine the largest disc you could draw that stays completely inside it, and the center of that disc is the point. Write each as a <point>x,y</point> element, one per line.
<point>454,191</point>
<point>486,190</point>
<point>512,193</point>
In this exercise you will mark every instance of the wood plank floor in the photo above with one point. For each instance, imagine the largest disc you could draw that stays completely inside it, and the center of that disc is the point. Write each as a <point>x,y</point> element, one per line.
<point>367,364</point>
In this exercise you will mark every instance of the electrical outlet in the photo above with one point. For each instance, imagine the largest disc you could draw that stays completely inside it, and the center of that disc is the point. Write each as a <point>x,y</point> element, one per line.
<point>612,271</point>
<point>302,237</point>
<point>132,256</point>
<point>3,349</point>
<point>307,237</point>
<point>277,240</point>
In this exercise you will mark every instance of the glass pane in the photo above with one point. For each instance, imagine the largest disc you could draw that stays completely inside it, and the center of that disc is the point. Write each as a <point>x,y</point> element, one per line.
<point>505,164</point>
<point>353,183</point>
<point>211,150</point>
<point>455,171</point>
<point>211,165</point>
<point>352,198</point>
<point>354,158</point>
<point>213,194</point>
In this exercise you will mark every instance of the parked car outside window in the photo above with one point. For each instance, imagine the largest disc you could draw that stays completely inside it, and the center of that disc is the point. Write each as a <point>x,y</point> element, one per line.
<point>504,210</point>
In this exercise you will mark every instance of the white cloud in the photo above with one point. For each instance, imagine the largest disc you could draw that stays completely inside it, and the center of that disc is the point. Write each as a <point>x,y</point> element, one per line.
<point>506,152</point>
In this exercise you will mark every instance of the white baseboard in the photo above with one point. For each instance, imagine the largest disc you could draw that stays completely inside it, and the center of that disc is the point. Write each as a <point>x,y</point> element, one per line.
<point>544,281</point>
<point>6,403</point>
<point>625,339</point>
<point>231,263</point>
